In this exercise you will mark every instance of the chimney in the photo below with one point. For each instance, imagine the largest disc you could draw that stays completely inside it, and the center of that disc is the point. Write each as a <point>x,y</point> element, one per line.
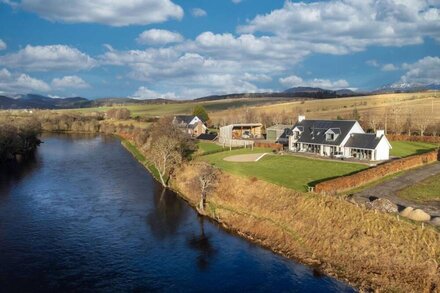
<point>380,133</point>
<point>301,118</point>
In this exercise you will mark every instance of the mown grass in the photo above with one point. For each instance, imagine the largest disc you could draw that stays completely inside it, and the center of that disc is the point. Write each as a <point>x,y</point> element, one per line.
<point>408,148</point>
<point>289,171</point>
<point>205,147</point>
<point>426,190</point>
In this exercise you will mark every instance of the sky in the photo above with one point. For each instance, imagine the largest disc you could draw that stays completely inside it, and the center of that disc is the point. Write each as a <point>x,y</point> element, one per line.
<point>185,49</point>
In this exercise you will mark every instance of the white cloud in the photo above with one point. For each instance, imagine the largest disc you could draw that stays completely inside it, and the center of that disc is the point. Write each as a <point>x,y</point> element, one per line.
<point>144,93</point>
<point>5,74</point>
<point>70,81</point>
<point>372,63</point>
<point>236,1</point>
<point>423,72</point>
<point>198,12</point>
<point>159,37</point>
<point>389,67</point>
<point>294,81</point>
<point>2,45</point>
<point>342,26</point>
<point>45,58</point>
<point>20,83</point>
<point>109,12</point>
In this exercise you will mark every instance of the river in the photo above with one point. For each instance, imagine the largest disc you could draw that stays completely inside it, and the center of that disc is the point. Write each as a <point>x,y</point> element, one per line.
<point>85,216</point>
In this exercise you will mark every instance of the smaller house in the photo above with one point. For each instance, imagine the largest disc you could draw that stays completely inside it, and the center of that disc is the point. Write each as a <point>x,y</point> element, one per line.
<point>191,124</point>
<point>279,133</point>
<point>240,134</point>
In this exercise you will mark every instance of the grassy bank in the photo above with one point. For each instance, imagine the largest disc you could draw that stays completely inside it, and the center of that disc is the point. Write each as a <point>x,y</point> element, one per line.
<point>140,158</point>
<point>368,249</point>
<point>288,171</point>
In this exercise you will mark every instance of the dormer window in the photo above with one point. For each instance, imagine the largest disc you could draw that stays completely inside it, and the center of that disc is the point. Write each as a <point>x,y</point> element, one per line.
<point>330,136</point>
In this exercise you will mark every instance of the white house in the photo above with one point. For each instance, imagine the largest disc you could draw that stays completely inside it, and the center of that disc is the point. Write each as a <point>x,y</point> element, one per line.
<point>338,138</point>
<point>193,125</point>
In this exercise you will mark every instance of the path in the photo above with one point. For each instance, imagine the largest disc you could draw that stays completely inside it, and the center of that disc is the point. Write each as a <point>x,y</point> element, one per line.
<point>389,189</point>
<point>245,158</point>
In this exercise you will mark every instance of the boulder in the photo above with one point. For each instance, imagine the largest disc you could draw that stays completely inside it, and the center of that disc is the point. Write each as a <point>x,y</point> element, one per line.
<point>406,211</point>
<point>383,205</point>
<point>419,215</point>
<point>435,221</point>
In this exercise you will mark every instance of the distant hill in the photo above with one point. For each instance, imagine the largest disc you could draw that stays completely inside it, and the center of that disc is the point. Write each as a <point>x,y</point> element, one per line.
<point>31,101</point>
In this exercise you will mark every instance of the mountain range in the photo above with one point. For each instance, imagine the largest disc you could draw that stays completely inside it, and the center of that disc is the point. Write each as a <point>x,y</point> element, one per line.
<point>33,101</point>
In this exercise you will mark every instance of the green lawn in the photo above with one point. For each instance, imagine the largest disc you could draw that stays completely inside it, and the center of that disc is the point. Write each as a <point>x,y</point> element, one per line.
<point>286,170</point>
<point>206,147</point>
<point>408,148</point>
<point>426,190</point>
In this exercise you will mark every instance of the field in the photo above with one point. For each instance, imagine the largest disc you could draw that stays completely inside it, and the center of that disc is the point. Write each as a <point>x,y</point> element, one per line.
<point>228,110</point>
<point>408,148</point>
<point>407,103</point>
<point>153,110</point>
<point>289,171</point>
<point>426,190</point>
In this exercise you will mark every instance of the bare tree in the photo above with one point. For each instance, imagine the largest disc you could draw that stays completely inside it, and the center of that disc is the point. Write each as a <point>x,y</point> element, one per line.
<point>206,181</point>
<point>421,122</point>
<point>165,154</point>
<point>167,146</point>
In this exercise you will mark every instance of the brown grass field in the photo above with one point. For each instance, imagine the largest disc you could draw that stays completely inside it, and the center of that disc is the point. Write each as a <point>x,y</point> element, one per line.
<point>414,103</point>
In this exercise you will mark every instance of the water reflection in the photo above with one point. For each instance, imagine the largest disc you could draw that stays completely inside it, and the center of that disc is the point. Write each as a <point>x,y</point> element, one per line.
<point>201,243</point>
<point>12,172</point>
<point>168,213</point>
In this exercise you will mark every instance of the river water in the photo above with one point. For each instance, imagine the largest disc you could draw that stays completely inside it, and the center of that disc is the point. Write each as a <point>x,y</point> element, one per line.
<point>85,216</point>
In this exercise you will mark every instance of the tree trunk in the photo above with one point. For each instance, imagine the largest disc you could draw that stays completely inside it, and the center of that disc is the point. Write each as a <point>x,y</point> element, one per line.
<point>162,180</point>
<point>202,201</point>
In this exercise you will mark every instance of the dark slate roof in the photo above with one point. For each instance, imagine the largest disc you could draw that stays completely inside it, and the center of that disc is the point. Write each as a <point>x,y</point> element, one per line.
<point>207,136</point>
<point>186,119</point>
<point>363,141</point>
<point>314,130</point>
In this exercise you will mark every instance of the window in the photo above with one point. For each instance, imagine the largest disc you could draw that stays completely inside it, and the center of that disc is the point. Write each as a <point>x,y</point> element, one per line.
<point>330,136</point>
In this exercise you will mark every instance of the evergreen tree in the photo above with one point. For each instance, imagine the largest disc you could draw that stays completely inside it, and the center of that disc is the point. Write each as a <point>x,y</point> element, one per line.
<point>200,112</point>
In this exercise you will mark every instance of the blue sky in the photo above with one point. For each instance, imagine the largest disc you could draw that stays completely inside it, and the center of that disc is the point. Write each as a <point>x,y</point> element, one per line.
<point>187,49</point>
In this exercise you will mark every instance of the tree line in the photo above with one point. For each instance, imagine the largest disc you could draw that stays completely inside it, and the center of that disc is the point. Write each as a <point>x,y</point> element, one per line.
<point>18,138</point>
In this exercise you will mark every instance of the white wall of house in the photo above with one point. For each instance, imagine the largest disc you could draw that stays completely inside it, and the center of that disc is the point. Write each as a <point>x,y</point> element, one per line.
<point>382,151</point>
<point>195,120</point>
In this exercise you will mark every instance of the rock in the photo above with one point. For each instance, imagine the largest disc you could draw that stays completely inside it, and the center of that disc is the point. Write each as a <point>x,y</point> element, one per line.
<point>406,211</point>
<point>419,215</point>
<point>382,205</point>
<point>435,221</point>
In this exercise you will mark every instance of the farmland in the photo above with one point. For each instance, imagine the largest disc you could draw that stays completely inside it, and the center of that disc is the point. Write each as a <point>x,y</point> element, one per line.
<point>288,171</point>
<point>161,109</point>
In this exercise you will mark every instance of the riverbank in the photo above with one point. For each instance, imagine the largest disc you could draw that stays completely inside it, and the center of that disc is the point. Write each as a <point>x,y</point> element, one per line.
<point>366,249</point>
